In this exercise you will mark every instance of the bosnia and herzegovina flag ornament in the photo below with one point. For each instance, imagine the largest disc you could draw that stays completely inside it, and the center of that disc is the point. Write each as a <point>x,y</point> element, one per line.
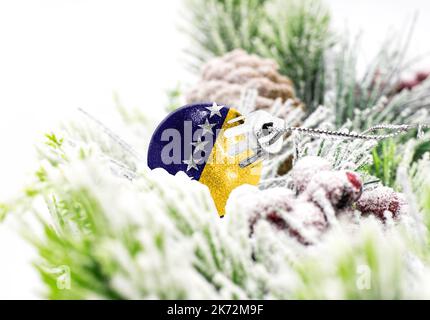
<point>191,140</point>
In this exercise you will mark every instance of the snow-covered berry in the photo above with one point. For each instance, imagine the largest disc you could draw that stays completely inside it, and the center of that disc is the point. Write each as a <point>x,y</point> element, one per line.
<point>413,82</point>
<point>380,202</point>
<point>341,188</point>
<point>300,219</point>
<point>307,168</point>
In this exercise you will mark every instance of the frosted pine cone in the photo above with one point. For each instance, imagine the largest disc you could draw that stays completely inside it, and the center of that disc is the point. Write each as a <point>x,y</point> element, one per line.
<point>381,201</point>
<point>225,78</point>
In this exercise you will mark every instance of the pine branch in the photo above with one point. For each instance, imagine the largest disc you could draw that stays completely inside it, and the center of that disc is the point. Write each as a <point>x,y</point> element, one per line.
<point>297,38</point>
<point>385,163</point>
<point>361,99</point>
<point>219,26</point>
<point>158,236</point>
<point>142,234</point>
<point>293,33</point>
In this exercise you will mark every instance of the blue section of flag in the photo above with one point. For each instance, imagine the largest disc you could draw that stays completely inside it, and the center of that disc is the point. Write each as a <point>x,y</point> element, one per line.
<point>187,121</point>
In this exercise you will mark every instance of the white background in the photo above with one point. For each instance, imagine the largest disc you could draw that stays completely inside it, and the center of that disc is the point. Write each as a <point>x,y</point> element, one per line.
<point>57,55</point>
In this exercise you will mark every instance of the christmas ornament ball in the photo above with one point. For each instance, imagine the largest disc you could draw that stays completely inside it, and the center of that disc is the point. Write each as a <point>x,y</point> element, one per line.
<point>191,139</point>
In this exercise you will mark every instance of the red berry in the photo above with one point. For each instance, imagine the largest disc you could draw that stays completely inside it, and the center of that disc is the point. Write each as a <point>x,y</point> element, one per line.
<point>379,201</point>
<point>341,188</point>
<point>410,84</point>
<point>422,75</point>
<point>354,179</point>
<point>306,168</point>
<point>276,220</point>
<point>288,214</point>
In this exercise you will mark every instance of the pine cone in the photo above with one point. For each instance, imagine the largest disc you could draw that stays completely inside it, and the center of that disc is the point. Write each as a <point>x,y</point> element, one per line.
<point>225,78</point>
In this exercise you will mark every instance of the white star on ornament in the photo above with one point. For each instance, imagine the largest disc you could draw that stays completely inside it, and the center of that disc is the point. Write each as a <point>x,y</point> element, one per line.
<point>207,127</point>
<point>200,145</point>
<point>215,110</point>
<point>191,163</point>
